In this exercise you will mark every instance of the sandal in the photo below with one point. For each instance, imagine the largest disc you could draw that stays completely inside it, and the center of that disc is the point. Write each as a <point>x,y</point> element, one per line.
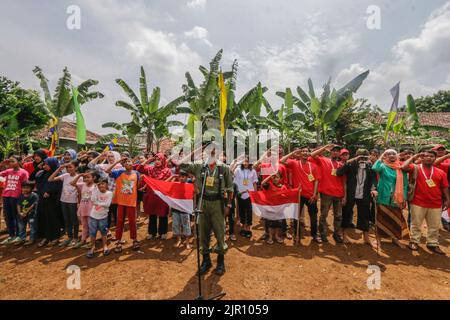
<point>90,255</point>
<point>136,245</point>
<point>413,246</point>
<point>106,252</point>
<point>118,248</point>
<point>269,241</point>
<point>280,240</point>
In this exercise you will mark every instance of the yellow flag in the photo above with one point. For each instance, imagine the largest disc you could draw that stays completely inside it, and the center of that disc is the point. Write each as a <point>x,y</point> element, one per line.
<point>53,124</point>
<point>223,103</point>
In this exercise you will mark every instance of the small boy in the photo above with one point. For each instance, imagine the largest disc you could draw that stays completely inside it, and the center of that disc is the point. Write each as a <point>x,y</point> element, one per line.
<point>181,223</point>
<point>27,209</point>
<point>98,219</point>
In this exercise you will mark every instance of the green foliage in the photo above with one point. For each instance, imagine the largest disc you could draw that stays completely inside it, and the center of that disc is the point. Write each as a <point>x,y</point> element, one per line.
<point>438,102</point>
<point>21,114</point>
<point>147,116</point>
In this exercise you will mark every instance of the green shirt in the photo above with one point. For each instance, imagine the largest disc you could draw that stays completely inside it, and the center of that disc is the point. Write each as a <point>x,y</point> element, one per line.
<point>196,170</point>
<point>386,183</point>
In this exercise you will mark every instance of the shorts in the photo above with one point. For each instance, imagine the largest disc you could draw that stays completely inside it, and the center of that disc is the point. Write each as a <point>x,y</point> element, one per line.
<point>98,225</point>
<point>181,224</point>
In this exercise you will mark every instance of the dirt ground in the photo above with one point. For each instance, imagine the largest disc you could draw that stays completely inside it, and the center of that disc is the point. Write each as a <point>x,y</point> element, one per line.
<point>255,270</point>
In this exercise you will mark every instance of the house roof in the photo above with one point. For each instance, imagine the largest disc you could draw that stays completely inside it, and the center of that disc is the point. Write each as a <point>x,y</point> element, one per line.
<point>68,131</point>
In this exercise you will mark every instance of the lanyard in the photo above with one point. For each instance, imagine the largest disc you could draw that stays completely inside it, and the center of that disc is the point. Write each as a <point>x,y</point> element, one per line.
<point>309,165</point>
<point>245,176</point>
<point>423,172</point>
<point>213,173</point>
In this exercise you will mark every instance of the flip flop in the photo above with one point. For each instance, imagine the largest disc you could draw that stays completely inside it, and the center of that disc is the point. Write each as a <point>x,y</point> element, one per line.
<point>90,255</point>
<point>106,252</point>
<point>118,249</point>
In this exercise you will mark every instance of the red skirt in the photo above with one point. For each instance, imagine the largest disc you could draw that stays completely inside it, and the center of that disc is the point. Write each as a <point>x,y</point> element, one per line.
<point>153,205</point>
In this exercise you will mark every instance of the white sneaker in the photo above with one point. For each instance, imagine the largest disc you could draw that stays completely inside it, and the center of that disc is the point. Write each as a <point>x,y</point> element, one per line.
<point>7,241</point>
<point>150,237</point>
<point>15,240</point>
<point>164,236</point>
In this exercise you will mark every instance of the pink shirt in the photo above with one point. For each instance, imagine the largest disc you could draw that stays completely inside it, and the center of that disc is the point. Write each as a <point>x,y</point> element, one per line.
<point>85,207</point>
<point>13,183</point>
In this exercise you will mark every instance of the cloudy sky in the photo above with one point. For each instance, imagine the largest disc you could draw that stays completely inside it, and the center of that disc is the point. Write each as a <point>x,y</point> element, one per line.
<point>278,42</point>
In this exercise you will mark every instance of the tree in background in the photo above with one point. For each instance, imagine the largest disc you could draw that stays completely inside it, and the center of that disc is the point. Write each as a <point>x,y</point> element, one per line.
<point>21,114</point>
<point>438,102</point>
<point>147,116</point>
<point>61,104</point>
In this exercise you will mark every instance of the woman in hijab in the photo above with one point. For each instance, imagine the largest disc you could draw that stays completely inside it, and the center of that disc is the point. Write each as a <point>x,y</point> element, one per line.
<point>36,165</point>
<point>111,157</point>
<point>49,209</point>
<point>68,156</point>
<point>392,195</point>
<point>154,207</point>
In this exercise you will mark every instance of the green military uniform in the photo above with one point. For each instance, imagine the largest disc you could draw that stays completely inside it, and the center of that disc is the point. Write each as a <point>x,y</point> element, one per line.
<point>212,215</point>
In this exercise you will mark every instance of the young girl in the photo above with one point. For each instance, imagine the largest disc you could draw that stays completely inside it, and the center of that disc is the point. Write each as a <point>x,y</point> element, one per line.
<point>98,219</point>
<point>27,208</point>
<point>49,209</point>
<point>126,195</point>
<point>85,189</point>
<point>69,201</point>
<point>154,207</point>
<point>274,183</point>
<point>14,177</point>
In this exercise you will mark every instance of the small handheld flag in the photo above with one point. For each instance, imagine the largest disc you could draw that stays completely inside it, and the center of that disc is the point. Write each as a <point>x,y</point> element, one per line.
<point>111,145</point>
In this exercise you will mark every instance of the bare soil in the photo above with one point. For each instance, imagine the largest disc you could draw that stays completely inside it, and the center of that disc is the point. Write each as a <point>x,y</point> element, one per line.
<point>255,270</point>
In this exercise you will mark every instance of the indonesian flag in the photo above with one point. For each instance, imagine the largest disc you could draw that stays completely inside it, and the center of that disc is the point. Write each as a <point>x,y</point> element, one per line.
<point>275,205</point>
<point>177,195</point>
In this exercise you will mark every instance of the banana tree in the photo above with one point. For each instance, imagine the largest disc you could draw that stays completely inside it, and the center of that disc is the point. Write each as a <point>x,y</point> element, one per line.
<point>61,104</point>
<point>147,116</point>
<point>320,113</point>
<point>127,130</point>
<point>409,130</point>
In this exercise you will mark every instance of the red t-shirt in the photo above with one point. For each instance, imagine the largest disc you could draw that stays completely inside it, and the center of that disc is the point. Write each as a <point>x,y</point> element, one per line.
<point>281,169</point>
<point>444,166</point>
<point>29,166</point>
<point>303,175</point>
<point>427,196</point>
<point>330,183</point>
<point>13,183</point>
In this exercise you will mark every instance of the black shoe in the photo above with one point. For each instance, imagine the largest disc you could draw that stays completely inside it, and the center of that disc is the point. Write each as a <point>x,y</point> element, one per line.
<point>324,238</point>
<point>206,264</point>
<point>242,233</point>
<point>352,226</point>
<point>248,234</point>
<point>220,270</point>
<point>338,238</point>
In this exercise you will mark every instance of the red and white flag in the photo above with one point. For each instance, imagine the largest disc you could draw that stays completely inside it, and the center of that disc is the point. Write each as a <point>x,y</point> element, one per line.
<point>177,195</point>
<point>275,205</point>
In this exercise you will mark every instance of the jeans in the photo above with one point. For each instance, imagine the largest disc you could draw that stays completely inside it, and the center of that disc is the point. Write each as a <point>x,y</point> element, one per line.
<point>326,202</point>
<point>31,219</point>
<point>312,211</point>
<point>11,216</point>
<point>98,225</point>
<point>71,223</point>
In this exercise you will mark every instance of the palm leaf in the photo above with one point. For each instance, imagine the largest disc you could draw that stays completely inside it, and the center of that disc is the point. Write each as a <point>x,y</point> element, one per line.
<point>129,92</point>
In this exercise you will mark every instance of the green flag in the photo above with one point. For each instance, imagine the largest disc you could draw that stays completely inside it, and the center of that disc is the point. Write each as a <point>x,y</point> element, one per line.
<point>81,126</point>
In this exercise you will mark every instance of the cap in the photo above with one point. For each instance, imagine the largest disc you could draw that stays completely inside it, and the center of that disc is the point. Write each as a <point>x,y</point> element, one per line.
<point>344,151</point>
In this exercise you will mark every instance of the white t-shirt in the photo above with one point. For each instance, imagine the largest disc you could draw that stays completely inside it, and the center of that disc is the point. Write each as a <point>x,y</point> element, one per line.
<point>69,193</point>
<point>101,202</point>
<point>244,179</point>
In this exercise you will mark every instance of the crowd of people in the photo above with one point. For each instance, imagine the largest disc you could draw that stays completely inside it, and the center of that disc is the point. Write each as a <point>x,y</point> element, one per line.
<point>67,200</point>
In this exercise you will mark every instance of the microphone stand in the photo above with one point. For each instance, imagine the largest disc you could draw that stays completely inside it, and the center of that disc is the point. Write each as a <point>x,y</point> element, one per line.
<point>197,212</point>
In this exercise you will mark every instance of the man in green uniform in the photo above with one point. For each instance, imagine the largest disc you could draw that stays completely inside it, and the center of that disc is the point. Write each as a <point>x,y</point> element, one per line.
<point>214,208</point>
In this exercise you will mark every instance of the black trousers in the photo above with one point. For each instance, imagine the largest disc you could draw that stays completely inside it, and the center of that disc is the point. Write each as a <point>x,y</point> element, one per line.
<point>312,211</point>
<point>158,225</point>
<point>245,211</point>
<point>363,214</point>
<point>112,215</point>
<point>231,219</point>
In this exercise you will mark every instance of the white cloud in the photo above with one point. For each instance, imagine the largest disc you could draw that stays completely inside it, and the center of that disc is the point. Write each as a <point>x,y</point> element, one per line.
<point>194,4</point>
<point>417,62</point>
<point>198,33</point>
